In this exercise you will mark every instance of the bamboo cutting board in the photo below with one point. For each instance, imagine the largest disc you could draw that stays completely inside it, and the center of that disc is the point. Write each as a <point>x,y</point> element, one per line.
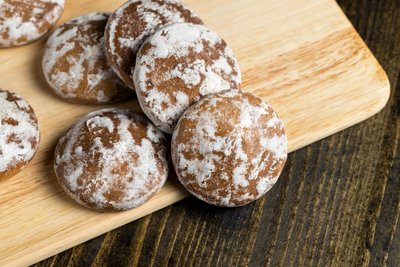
<point>302,56</point>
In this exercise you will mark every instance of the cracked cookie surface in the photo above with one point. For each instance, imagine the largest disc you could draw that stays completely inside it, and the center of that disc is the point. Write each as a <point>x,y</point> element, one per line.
<point>229,148</point>
<point>19,133</point>
<point>24,21</point>
<point>112,159</point>
<point>177,66</point>
<point>133,23</point>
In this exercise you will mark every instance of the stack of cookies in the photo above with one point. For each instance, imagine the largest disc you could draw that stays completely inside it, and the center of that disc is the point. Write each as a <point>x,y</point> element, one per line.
<point>228,147</point>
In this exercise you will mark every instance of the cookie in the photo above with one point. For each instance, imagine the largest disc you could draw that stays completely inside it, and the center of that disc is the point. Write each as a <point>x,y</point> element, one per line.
<point>133,23</point>
<point>229,148</point>
<point>75,65</point>
<point>111,159</point>
<point>24,21</point>
<point>19,134</point>
<point>177,66</point>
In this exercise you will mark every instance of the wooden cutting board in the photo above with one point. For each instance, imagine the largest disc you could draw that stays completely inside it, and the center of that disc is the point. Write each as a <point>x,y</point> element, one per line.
<point>302,56</point>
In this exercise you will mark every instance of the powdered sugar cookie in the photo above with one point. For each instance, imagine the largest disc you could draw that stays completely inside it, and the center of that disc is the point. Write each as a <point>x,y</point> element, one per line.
<point>112,159</point>
<point>132,23</point>
<point>24,21</point>
<point>229,148</point>
<point>19,134</point>
<point>75,65</point>
<point>177,66</point>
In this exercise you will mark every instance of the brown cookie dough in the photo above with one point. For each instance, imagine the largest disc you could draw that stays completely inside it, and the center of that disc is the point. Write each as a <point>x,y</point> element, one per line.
<point>75,65</point>
<point>24,21</point>
<point>135,21</point>
<point>229,149</point>
<point>19,134</point>
<point>112,159</point>
<point>177,66</point>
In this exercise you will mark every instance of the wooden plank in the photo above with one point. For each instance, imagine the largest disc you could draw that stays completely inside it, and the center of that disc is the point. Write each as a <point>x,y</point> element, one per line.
<point>302,56</point>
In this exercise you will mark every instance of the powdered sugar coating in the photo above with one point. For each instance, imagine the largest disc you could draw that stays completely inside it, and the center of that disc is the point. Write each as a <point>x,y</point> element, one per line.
<point>229,148</point>
<point>75,65</point>
<point>23,21</point>
<point>112,159</point>
<point>19,132</point>
<point>177,66</point>
<point>133,23</point>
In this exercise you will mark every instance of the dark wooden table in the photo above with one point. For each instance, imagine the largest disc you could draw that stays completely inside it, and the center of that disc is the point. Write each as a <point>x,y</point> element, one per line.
<point>337,202</point>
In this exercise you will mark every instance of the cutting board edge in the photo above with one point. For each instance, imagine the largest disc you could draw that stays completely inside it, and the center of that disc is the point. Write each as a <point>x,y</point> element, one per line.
<point>383,95</point>
<point>48,250</point>
<point>179,195</point>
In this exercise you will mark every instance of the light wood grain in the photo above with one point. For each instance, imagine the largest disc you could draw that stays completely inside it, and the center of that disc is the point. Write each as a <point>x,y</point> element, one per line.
<point>302,56</point>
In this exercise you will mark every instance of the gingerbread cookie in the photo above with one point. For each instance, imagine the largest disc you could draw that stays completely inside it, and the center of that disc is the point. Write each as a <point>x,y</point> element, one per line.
<point>24,21</point>
<point>177,66</point>
<point>133,23</point>
<point>19,134</point>
<point>229,148</point>
<point>112,159</point>
<point>75,66</point>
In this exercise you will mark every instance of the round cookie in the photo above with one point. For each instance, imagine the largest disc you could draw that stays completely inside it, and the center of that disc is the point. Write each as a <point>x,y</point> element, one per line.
<point>24,21</point>
<point>112,159</point>
<point>133,23</point>
<point>177,66</point>
<point>75,65</point>
<point>229,148</point>
<point>19,134</point>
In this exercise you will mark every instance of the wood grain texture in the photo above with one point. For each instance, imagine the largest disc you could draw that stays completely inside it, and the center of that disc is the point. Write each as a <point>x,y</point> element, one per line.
<point>306,59</point>
<point>337,204</point>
